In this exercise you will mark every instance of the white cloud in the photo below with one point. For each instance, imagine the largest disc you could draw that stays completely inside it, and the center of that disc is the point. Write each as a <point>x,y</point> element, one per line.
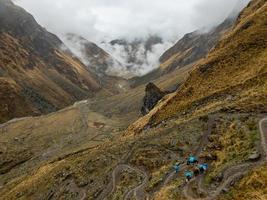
<point>99,20</point>
<point>95,19</point>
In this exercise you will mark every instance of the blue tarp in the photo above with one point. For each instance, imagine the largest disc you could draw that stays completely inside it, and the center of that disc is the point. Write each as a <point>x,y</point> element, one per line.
<point>189,174</point>
<point>203,166</point>
<point>192,159</point>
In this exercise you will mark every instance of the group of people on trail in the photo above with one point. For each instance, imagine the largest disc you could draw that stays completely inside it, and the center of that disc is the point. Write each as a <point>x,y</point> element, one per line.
<point>198,168</point>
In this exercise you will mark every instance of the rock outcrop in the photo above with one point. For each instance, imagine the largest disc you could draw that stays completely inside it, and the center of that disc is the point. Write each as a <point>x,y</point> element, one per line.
<point>152,97</point>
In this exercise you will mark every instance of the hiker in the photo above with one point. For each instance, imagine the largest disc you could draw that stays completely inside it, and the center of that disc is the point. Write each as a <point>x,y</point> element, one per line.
<point>196,171</point>
<point>188,175</point>
<point>177,168</point>
<point>203,167</point>
<point>192,160</point>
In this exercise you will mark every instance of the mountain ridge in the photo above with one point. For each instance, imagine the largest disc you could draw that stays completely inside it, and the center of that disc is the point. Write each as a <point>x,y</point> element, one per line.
<point>217,114</point>
<point>45,77</point>
<point>188,50</point>
<point>204,73</point>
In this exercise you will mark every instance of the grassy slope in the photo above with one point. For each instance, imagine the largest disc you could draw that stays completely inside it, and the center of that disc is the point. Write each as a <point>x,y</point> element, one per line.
<point>239,58</point>
<point>235,81</point>
<point>236,68</point>
<point>37,88</point>
<point>253,186</point>
<point>40,76</point>
<point>90,169</point>
<point>33,142</point>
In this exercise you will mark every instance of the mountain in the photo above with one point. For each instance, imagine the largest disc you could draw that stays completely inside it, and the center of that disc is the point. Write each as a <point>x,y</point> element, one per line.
<point>132,46</point>
<point>187,51</point>
<point>226,92</point>
<point>99,62</point>
<point>234,67</point>
<point>217,114</point>
<point>38,74</point>
<point>193,47</point>
<point>93,56</point>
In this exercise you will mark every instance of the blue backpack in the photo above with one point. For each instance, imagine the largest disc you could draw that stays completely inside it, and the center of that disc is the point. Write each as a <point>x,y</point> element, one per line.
<point>192,159</point>
<point>189,174</point>
<point>203,166</point>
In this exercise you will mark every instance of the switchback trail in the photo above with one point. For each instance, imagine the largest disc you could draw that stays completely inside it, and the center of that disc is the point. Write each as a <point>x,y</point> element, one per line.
<point>231,173</point>
<point>169,177</point>
<point>111,187</point>
<point>137,191</point>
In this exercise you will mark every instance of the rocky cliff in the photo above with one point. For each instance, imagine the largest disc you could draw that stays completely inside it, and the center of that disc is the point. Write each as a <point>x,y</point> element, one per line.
<point>152,97</point>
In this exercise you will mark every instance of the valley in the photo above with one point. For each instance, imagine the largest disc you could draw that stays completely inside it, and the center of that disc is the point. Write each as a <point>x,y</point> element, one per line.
<point>119,139</point>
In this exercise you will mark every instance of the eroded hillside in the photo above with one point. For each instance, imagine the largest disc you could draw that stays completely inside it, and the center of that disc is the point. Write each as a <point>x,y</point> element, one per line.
<point>232,77</point>
<point>217,114</point>
<point>39,76</point>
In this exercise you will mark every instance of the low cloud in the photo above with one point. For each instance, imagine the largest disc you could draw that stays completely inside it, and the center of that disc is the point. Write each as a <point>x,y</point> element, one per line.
<point>105,20</point>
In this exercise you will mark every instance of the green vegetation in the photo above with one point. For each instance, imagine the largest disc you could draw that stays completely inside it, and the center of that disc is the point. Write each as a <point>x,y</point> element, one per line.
<point>253,186</point>
<point>73,152</point>
<point>235,142</point>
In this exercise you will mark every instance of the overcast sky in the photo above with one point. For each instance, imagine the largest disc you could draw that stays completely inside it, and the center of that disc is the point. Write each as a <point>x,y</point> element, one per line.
<point>96,19</point>
<point>105,20</point>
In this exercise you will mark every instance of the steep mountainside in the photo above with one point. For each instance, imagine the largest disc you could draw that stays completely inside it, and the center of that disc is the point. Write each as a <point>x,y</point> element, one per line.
<point>193,46</point>
<point>99,62</point>
<point>187,51</point>
<point>218,114</point>
<point>233,74</point>
<point>92,55</point>
<point>36,75</point>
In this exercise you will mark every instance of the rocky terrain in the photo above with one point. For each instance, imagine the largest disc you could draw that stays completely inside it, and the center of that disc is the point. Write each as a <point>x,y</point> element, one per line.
<point>101,148</point>
<point>152,97</point>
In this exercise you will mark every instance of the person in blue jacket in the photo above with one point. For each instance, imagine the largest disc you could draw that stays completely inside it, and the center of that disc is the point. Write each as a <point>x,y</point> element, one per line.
<point>203,167</point>
<point>192,160</point>
<point>188,175</point>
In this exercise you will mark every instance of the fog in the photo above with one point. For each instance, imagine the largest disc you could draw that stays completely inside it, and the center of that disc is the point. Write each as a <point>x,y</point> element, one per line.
<point>105,20</point>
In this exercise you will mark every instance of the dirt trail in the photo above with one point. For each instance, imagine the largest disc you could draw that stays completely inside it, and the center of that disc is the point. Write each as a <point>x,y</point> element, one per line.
<point>138,192</point>
<point>232,173</point>
<point>263,131</point>
<point>111,187</point>
<point>13,121</point>
<point>196,152</point>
